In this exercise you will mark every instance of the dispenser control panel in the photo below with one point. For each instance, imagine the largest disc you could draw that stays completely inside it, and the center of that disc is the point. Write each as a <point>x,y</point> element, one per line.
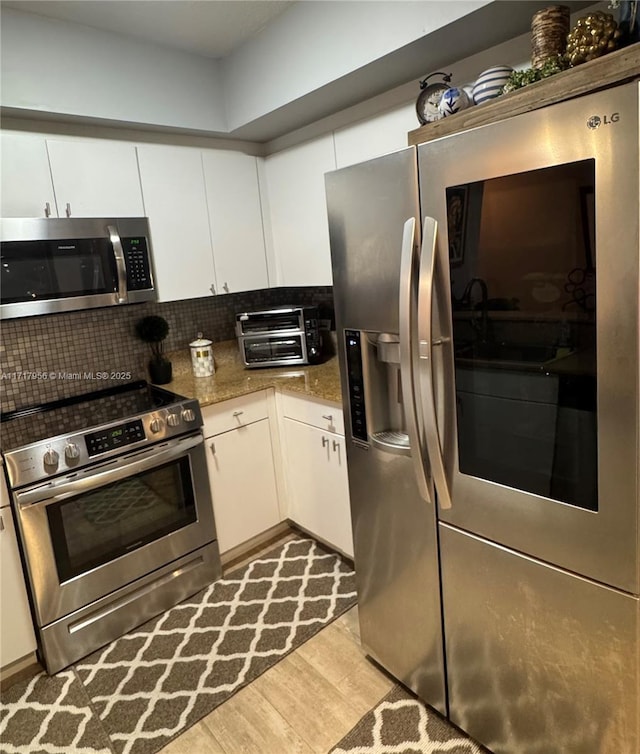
<point>356,384</point>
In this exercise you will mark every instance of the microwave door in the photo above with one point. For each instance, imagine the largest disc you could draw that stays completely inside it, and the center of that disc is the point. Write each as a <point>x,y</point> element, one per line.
<point>536,308</point>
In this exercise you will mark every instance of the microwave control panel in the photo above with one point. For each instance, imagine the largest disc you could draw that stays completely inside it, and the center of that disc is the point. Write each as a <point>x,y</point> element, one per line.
<point>136,256</point>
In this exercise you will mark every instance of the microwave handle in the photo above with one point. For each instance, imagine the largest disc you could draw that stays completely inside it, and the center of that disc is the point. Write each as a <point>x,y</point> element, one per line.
<point>118,253</point>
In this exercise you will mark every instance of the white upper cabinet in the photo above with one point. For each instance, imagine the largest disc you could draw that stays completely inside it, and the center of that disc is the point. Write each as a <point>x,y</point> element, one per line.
<point>235,215</point>
<point>176,205</point>
<point>95,178</point>
<point>374,137</point>
<point>298,212</point>
<point>27,189</point>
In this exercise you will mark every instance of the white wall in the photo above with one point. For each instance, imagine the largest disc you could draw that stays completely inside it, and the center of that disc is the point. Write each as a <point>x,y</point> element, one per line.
<point>59,67</point>
<point>316,42</point>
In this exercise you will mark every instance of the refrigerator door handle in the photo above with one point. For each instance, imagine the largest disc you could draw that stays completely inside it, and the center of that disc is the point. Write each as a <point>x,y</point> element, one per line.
<point>425,362</point>
<point>408,353</point>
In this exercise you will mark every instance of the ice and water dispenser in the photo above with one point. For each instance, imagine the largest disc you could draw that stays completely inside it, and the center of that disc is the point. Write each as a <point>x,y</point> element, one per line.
<point>375,390</point>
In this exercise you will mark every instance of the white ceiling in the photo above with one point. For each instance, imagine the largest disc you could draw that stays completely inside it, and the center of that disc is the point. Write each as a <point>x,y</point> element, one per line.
<point>212,28</point>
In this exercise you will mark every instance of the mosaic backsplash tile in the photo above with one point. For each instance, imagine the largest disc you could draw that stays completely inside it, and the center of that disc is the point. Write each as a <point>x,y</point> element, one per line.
<point>59,355</point>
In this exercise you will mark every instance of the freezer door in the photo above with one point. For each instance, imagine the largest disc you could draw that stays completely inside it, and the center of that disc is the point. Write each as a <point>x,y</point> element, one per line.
<point>538,660</point>
<point>397,577</point>
<point>534,278</point>
<point>374,232</point>
<point>368,205</point>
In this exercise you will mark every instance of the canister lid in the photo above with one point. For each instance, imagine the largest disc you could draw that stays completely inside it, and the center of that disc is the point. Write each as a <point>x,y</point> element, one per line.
<point>200,342</point>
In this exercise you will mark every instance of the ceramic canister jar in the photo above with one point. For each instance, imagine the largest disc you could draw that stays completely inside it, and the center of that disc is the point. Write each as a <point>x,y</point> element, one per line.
<point>490,83</point>
<point>201,357</point>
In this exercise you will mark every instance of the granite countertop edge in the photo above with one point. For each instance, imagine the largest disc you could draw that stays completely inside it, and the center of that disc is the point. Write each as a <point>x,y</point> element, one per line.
<point>233,380</point>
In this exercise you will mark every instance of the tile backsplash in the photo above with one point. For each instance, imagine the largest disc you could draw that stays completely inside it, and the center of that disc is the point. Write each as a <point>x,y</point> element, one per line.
<point>55,356</point>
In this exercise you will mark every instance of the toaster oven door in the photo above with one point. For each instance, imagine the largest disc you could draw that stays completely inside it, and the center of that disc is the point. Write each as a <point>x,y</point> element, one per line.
<point>274,350</point>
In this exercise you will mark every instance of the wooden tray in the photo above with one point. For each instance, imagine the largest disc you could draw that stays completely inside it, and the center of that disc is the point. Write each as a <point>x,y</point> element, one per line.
<point>601,73</point>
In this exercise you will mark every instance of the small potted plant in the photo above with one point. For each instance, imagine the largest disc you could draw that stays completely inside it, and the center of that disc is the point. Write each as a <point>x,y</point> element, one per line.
<point>153,330</point>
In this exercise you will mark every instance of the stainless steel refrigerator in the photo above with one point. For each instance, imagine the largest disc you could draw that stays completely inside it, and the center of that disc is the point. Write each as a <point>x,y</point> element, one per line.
<point>486,288</point>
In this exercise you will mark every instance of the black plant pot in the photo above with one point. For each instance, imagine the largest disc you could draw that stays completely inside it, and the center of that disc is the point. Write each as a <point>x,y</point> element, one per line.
<point>160,371</point>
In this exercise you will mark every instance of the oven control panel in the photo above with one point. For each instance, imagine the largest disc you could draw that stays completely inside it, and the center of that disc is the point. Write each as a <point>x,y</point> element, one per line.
<point>114,437</point>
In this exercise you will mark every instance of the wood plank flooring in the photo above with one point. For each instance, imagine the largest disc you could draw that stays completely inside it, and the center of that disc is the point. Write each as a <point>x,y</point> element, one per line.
<point>302,705</point>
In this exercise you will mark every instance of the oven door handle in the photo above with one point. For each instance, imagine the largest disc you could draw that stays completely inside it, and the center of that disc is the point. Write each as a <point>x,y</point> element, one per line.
<point>53,492</point>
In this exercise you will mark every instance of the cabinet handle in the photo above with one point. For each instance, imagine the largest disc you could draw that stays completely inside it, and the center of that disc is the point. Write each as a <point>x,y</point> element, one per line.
<point>336,446</point>
<point>212,447</point>
<point>325,441</point>
<point>212,288</point>
<point>1,524</point>
<point>225,288</point>
<point>68,210</point>
<point>47,210</point>
<point>238,413</point>
<point>328,417</point>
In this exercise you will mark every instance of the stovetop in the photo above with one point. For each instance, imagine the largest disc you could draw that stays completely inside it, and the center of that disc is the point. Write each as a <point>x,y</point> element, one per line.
<point>40,441</point>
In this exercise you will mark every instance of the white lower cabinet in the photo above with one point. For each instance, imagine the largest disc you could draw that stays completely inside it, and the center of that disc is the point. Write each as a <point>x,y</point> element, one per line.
<point>241,469</point>
<point>17,639</point>
<point>315,470</point>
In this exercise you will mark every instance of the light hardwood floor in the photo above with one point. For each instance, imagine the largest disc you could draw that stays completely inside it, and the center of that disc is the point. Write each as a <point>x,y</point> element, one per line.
<point>302,705</point>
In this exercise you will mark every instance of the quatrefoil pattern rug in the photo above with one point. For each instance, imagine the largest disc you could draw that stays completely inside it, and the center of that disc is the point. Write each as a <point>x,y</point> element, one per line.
<point>402,724</point>
<point>151,684</point>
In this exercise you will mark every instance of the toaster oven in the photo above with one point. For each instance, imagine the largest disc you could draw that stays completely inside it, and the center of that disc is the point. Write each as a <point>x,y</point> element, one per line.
<point>282,336</point>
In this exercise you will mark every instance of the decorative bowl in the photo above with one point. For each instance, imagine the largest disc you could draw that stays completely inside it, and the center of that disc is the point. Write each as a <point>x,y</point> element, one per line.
<point>490,82</point>
<point>453,100</point>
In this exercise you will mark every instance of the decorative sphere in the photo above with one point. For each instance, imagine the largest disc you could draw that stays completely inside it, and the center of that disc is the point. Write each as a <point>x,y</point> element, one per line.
<point>453,100</point>
<point>490,82</point>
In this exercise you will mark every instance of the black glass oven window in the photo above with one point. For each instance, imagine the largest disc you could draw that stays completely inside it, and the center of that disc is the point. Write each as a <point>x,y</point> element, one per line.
<point>99,526</point>
<point>38,270</point>
<point>522,263</point>
<point>273,349</point>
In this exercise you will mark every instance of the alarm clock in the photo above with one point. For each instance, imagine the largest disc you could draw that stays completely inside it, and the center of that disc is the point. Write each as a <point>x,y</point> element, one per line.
<point>429,98</point>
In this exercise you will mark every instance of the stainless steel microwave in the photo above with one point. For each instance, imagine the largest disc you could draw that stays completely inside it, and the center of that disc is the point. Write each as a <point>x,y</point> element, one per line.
<point>60,265</point>
<point>281,336</point>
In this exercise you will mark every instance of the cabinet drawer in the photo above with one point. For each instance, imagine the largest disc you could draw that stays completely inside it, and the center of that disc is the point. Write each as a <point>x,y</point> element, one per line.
<point>327,416</point>
<point>234,413</point>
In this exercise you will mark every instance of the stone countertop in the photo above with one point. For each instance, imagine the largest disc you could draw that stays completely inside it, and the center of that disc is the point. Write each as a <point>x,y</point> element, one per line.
<point>232,380</point>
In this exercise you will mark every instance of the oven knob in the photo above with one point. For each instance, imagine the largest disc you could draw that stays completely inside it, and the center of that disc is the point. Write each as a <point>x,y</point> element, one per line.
<point>156,425</point>
<point>71,451</point>
<point>51,457</point>
<point>173,420</point>
<point>188,415</point>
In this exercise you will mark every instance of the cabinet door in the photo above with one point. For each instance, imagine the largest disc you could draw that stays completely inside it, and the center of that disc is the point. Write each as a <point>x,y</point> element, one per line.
<point>96,178</point>
<point>374,137</point>
<point>298,212</point>
<point>26,178</point>
<point>17,639</point>
<point>316,471</point>
<point>235,215</point>
<point>176,205</point>
<point>243,483</point>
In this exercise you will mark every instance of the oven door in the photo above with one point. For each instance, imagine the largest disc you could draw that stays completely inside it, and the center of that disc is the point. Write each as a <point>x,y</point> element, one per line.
<point>529,360</point>
<point>274,350</point>
<point>87,534</point>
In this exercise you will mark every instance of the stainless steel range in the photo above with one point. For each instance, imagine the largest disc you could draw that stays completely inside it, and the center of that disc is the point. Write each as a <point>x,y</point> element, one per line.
<point>112,503</point>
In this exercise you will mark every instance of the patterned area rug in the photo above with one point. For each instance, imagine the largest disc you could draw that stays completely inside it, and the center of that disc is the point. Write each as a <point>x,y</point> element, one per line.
<point>151,684</point>
<point>401,724</point>
<point>50,715</point>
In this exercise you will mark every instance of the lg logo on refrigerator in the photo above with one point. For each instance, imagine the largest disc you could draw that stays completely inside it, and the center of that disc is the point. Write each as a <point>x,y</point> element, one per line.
<point>595,121</point>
